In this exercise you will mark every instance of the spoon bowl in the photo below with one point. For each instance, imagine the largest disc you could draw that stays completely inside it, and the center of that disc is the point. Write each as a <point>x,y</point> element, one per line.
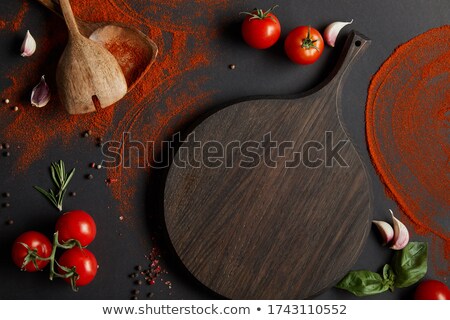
<point>134,51</point>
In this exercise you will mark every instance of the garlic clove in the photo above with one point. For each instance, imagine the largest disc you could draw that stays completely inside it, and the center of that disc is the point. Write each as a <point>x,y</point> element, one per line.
<point>40,95</point>
<point>331,32</point>
<point>28,45</point>
<point>386,231</point>
<point>401,234</point>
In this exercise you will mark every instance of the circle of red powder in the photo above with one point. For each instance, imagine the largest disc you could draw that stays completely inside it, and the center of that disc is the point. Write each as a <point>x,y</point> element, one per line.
<point>408,133</point>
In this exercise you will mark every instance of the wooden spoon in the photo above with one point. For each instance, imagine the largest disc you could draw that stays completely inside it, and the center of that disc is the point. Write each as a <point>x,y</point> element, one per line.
<point>88,75</point>
<point>137,51</point>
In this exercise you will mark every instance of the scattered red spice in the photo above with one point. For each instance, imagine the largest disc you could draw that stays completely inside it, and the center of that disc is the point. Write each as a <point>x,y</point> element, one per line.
<point>137,112</point>
<point>109,181</point>
<point>14,24</point>
<point>154,269</point>
<point>17,23</point>
<point>132,59</point>
<point>407,128</point>
<point>152,110</point>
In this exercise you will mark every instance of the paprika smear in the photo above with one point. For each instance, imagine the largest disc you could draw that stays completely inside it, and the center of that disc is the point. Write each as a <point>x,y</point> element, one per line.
<point>408,133</point>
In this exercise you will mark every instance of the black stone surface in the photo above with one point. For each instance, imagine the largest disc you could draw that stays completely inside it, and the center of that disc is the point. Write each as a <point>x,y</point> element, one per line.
<point>121,246</point>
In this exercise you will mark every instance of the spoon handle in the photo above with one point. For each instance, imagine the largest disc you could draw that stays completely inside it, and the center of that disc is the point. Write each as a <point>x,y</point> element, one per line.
<point>69,17</point>
<point>85,28</point>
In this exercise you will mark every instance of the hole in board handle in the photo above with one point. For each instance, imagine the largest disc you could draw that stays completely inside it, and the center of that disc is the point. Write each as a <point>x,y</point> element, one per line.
<point>357,43</point>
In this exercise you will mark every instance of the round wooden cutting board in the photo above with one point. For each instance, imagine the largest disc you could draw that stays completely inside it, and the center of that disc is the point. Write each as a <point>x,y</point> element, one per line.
<point>268,198</point>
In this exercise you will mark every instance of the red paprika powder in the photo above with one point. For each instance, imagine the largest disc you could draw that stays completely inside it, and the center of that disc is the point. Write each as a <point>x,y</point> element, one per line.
<point>407,126</point>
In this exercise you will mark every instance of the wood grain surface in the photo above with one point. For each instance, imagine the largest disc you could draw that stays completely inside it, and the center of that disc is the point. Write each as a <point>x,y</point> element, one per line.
<point>104,32</point>
<point>248,229</point>
<point>88,75</point>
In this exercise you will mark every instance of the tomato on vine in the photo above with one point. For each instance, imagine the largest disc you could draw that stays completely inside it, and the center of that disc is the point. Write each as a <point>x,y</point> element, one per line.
<point>76,225</point>
<point>32,251</point>
<point>29,249</point>
<point>78,266</point>
<point>304,45</point>
<point>261,29</point>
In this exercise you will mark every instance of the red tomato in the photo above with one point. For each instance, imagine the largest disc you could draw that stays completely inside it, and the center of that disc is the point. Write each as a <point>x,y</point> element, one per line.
<point>36,242</point>
<point>77,225</point>
<point>260,29</point>
<point>84,262</point>
<point>304,45</point>
<point>432,290</point>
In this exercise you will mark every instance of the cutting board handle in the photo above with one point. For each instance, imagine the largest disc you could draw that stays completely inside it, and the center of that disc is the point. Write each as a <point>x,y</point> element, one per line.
<point>354,46</point>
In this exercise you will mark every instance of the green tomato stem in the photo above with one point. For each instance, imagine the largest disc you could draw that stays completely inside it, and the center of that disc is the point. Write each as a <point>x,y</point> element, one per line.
<point>69,272</point>
<point>33,256</point>
<point>52,257</point>
<point>308,42</point>
<point>260,14</point>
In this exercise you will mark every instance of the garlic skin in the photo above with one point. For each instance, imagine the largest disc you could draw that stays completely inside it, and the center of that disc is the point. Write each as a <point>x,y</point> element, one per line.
<point>386,231</point>
<point>28,45</point>
<point>401,234</point>
<point>331,32</point>
<point>40,95</point>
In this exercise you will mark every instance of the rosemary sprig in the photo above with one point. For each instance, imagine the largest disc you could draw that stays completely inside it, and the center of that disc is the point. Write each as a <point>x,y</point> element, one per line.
<point>61,180</point>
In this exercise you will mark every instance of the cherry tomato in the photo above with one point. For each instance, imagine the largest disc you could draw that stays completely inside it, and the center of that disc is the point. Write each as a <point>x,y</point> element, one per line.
<point>261,29</point>
<point>432,290</point>
<point>304,45</point>
<point>84,262</point>
<point>38,244</point>
<point>77,225</point>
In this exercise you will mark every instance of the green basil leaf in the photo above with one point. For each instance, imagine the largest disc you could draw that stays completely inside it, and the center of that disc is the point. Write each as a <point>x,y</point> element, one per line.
<point>389,276</point>
<point>410,264</point>
<point>363,283</point>
<point>386,269</point>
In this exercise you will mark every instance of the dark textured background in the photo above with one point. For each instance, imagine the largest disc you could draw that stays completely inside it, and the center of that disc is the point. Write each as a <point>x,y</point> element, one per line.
<point>121,246</point>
